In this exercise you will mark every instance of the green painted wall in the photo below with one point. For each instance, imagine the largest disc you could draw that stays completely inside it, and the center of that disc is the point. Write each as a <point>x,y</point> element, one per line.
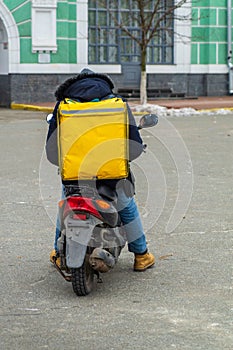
<point>209,32</point>
<point>66,31</point>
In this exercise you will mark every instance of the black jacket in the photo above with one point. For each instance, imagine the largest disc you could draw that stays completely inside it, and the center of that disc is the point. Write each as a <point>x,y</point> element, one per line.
<point>87,87</point>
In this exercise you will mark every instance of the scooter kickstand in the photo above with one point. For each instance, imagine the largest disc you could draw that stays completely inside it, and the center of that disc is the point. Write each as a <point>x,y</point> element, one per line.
<point>99,279</point>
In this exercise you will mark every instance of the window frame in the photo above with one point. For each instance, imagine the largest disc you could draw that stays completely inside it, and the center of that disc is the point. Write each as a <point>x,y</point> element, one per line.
<point>165,51</point>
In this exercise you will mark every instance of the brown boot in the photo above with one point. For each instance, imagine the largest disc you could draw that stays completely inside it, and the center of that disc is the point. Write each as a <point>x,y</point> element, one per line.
<point>54,259</point>
<point>143,261</point>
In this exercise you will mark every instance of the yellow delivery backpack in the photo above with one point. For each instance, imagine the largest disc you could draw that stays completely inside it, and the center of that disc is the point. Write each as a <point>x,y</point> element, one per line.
<point>93,139</point>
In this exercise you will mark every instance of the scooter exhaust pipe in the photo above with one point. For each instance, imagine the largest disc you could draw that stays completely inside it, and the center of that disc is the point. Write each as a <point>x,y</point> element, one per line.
<point>101,260</point>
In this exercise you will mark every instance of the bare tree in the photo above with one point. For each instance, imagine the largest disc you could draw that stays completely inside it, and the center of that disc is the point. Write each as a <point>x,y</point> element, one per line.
<point>153,18</point>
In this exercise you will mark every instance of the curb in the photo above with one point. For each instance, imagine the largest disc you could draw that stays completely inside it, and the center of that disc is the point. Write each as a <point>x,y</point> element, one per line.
<point>26,107</point>
<point>21,106</point>
<point>215,109</point>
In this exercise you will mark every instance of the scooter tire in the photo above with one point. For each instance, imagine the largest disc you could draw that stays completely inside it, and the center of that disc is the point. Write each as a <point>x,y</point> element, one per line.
<point>82,279</point>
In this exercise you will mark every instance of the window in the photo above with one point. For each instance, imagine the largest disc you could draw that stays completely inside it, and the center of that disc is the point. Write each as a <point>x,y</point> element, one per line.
<point>44,25</point>
<point>108,43</point>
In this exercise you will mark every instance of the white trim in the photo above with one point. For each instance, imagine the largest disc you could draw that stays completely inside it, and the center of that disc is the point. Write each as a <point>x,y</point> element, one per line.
<point>55,68</point>
<point>116,69</point>
<point>82,32</point>
<point>44,3</point>
<point>192,68</point>
<point>13,36</point>
<point>106,68</point>
<point>209,68</point>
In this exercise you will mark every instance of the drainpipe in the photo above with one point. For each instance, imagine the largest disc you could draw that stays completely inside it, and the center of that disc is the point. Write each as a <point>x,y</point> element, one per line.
<point>229,47</point>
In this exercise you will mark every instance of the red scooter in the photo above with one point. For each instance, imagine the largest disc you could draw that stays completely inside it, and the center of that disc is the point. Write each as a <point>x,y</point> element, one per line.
<point>92,235</point>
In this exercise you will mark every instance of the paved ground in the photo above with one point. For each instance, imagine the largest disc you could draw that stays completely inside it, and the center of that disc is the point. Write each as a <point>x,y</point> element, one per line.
<point>184,303</point>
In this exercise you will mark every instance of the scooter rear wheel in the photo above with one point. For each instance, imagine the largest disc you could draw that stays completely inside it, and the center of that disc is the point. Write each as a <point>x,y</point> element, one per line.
<point>82,279</point>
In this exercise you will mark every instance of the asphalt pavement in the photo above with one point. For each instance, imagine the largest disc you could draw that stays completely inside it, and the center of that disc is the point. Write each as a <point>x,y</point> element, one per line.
<point>184,182</point>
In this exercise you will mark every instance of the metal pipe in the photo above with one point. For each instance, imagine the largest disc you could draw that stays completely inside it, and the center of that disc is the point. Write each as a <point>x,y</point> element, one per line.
<point>229,48</point>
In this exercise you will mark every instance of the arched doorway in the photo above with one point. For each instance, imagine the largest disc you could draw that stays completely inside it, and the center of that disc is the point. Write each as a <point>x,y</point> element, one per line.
<point>4,50</point>
<point>9,53</point>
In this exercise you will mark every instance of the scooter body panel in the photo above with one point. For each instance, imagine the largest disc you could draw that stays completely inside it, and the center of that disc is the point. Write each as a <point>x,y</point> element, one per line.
<point>78,234</point>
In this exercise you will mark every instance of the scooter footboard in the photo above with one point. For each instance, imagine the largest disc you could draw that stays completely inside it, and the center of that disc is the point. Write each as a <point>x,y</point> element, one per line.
<point>78,234</point>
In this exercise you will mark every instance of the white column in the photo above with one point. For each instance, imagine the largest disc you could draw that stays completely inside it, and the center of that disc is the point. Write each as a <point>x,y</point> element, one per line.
<point>82,33</point>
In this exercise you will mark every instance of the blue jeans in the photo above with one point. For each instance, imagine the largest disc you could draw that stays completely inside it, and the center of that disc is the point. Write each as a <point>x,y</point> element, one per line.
<point>130,217</point>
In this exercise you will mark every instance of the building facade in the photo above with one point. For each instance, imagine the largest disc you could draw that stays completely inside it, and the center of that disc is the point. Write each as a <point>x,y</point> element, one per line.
<point>43,42</point>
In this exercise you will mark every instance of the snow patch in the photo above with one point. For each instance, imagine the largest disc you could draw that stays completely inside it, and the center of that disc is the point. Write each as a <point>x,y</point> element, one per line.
<point>175,112</point>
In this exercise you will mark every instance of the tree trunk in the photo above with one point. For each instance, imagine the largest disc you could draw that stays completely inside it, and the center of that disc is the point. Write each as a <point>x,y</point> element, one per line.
<point>143,84</point>
<point>143,92</point>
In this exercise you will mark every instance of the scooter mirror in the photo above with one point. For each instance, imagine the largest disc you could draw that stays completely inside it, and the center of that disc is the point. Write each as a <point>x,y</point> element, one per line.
<point>49,118</point>
<point>147,121</point>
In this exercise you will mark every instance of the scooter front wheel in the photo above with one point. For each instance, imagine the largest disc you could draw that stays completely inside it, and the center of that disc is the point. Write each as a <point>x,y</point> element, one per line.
<point>82,279</point>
